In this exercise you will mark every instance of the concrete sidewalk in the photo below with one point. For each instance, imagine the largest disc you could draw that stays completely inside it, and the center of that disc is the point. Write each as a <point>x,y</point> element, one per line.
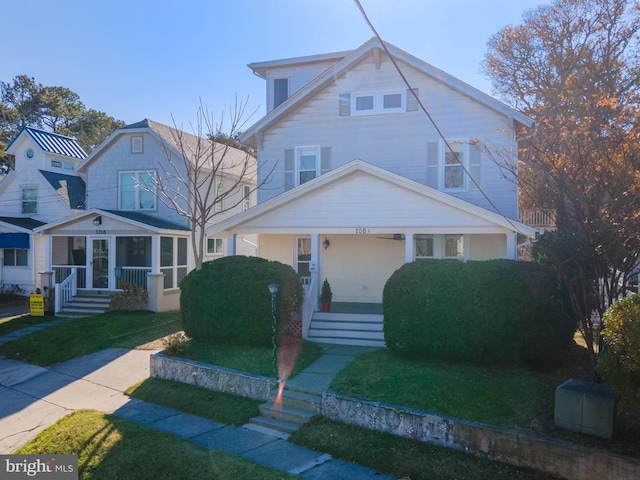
<point>32,398</point>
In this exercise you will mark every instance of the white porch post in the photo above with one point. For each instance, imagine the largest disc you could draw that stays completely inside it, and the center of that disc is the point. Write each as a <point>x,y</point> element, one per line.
<point>409,248</point>
<point>512,246</point>
<point>231,245</point>
<point>155,254</point>
<point>314,265</point>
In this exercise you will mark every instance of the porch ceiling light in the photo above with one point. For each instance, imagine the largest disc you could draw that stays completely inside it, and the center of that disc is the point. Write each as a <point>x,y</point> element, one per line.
<point>98,220</point>
<point>326,243</point>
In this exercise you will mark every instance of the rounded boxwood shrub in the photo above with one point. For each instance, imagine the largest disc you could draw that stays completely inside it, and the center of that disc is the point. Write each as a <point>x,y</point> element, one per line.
<point>228,300</point>
<point>480,312</point>
<point>619,361</point>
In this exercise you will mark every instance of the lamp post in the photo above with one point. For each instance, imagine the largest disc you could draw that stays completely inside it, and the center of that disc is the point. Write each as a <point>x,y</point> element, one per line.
<point>273,289</point>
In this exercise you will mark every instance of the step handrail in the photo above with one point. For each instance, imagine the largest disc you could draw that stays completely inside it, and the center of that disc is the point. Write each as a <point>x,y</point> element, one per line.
<point>65,291</point>
<point>309,305</point>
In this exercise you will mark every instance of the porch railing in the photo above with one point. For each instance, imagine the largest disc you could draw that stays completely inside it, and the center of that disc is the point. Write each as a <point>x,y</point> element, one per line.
<point>310,303</point>
<point>61,272</point>
<point>66,290</point>
<point>133,275</point>
<point>538,218</point>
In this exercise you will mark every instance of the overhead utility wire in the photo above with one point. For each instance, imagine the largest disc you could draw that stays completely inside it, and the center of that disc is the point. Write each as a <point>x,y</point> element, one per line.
<point>426,112</point>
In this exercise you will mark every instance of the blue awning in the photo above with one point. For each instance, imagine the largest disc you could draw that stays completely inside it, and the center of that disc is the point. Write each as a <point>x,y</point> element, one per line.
<point>14,240</point>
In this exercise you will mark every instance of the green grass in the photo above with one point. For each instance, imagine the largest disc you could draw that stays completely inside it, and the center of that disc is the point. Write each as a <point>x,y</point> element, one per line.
<point>221,407</point>
<point>111,448</point>
<point>258,360</point>
<point>498,396</point>
<point>401,457</point>
<point>91,334</point>
<point>12,324</point>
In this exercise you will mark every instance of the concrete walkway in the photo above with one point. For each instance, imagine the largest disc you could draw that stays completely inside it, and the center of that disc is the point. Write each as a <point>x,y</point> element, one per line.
<point>32,398</point>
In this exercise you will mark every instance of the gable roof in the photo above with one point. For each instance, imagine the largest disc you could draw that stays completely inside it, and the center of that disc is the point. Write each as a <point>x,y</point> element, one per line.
<point>354,57</point>
<point>472,213</point>
<point>71,188</point>
<point>149,222</point>
<point>175,140</point>
<point>53,143</point>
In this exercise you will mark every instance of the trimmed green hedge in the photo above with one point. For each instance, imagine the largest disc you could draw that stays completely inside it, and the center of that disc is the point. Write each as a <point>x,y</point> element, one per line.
<point>619,361</point>
<point>228,300</point>
<point>480,312</point>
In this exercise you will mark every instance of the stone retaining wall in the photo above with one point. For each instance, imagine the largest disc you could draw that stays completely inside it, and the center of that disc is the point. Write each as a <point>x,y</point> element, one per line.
<point>524,449</point>
<point>559,458</point>
<point>211,377</point>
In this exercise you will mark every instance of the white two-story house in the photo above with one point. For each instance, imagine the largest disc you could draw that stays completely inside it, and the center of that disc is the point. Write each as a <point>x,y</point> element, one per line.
<point>371,171</point>
<point>43,186</point>
<point>124,231</point>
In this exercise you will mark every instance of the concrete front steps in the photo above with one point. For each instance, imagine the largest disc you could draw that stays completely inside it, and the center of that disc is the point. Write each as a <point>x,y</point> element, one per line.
<point>347,329</point>
<point>297,408</point>
<point>86,304</point>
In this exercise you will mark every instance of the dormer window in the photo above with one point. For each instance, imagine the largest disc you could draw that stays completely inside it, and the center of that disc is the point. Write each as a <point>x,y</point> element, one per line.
<point>280,91</point>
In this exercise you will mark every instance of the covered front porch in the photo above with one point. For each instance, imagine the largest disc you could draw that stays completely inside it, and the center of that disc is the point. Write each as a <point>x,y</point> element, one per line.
<point>105,251</point>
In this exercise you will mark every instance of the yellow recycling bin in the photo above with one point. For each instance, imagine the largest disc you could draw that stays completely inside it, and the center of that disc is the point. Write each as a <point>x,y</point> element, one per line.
<point>36,304</point>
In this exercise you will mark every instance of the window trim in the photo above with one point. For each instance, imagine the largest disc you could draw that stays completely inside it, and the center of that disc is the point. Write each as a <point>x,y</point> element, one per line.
<point>378,102</point>
<point>318,152</point>
<point>443,150</point>
<point>14,256</point>
<point>215,241</point>
<point>137,144</point>
<point>23,188</point>
<point>137,189</point>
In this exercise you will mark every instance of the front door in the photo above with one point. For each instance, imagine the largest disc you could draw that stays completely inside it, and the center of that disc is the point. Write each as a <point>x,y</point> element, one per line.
<point>99,263</point>
<point>303,257</point>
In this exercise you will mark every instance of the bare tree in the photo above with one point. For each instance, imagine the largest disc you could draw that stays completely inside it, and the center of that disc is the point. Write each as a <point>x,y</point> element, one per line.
<point>208,178</point>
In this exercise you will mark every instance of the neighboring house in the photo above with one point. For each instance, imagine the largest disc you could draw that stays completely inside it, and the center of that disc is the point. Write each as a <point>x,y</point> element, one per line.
<point>126,233</point>
<point>363,182</point>
<point>44,186</point>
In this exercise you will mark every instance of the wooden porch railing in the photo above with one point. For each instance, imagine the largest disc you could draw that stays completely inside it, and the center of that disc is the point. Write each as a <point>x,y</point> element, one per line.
<point>538,218</point>
<point>65,290</point>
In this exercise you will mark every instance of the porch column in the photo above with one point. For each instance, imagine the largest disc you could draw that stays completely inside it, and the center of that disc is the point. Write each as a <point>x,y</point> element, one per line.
<point>155,254</point>
<point>512,246</point>
<point>231,245</point>
<point>314,264</point>
<point>409,248</point>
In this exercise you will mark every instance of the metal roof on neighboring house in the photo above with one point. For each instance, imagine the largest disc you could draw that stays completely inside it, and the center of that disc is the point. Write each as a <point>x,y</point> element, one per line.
<point>71,188</point>
<point>54,143</point>
<point>22,222</point>
<point>148,220</point>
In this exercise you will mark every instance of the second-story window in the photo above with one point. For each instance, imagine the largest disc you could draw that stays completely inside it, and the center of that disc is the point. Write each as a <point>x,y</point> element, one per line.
<point>280,91</point>
<point>246,197</point>
<point>137,190</point>
<point>307,163</point>
<point>375,103</point>
<point>29,197</point>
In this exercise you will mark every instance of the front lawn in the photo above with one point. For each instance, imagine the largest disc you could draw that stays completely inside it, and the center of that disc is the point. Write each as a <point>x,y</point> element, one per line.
<point>87,335</point>
<point>111,448</point>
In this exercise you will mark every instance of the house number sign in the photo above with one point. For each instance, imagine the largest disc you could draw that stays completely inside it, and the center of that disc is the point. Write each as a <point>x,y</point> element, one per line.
<point>101,232</point>
<point>362,230</point>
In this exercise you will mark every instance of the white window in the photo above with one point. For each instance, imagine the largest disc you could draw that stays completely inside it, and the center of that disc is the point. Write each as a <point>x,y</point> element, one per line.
<point>214,246</point>
<point>137,190</point>
<point>219,194</point>
<point>137,144</point>
<point>65,165</point>
<point>455,162</point>
<point>374,103</point>
<point>454,246</point>
<point>29,197</point>
<point>246,197</point>
<point>15,257</point>
<point>173,260</point>
<point>424,246</point>
<point>307,163</point>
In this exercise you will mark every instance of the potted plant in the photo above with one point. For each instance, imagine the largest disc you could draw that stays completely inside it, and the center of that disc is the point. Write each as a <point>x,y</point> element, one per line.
<point>325,296</point>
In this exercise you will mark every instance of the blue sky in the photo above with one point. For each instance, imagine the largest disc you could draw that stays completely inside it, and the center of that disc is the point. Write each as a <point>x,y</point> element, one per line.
<point>156,59</point>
